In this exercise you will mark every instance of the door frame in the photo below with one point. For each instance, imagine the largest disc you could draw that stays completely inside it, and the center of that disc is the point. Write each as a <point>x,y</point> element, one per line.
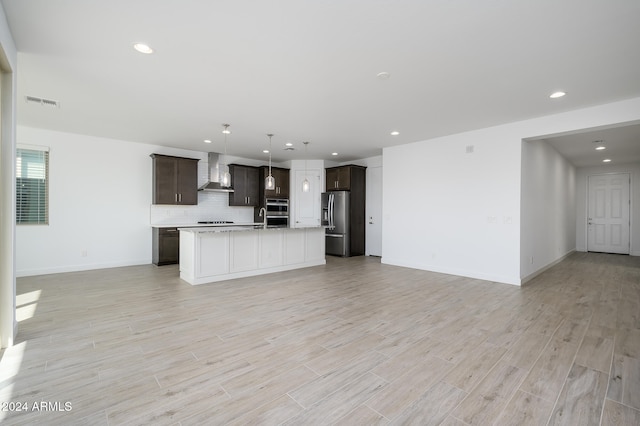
<point>373,246</point>
<point>586,222</point>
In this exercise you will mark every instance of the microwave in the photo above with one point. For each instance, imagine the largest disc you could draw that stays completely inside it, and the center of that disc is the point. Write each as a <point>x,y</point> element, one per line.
<point>277,211</point>
<point>277,207</point>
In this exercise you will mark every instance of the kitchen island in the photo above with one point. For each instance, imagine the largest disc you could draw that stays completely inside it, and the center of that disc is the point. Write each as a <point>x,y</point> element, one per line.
<point>211,254</point>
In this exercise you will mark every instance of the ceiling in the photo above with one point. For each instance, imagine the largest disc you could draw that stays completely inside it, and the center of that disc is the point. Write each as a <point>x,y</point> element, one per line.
<point>308,70</point>
<point>621,145</point>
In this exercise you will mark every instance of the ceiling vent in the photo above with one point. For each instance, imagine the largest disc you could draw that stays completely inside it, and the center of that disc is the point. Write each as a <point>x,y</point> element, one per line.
<point>43,102</point>
<point>288,148</point>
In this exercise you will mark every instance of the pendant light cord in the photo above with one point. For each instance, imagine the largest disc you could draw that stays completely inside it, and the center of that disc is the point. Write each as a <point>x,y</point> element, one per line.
<point>270,136</point>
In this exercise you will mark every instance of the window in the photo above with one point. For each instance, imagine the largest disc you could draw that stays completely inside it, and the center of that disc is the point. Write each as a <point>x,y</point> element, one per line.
<point>32,186</point>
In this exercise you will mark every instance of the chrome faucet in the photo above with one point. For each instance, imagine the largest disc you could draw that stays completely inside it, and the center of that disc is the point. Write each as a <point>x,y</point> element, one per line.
<point>263,213</point>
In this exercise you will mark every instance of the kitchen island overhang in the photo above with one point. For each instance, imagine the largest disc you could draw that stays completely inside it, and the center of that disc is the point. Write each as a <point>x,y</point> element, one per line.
<point>213,254</point>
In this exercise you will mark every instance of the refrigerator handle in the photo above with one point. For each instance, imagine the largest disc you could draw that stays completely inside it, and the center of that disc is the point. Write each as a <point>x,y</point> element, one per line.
<point>331,198</point>
<point>330,212</point>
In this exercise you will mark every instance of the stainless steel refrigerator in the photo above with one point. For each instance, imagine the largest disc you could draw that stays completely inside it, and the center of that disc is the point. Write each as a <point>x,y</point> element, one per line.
<point>335,216</point>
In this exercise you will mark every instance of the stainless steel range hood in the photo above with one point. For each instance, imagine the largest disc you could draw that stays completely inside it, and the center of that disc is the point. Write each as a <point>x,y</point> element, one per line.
<point>214,176</point>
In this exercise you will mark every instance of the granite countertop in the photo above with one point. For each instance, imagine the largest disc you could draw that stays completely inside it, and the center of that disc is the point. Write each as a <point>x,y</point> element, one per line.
<point>202,225</point>
<point>241,227</point>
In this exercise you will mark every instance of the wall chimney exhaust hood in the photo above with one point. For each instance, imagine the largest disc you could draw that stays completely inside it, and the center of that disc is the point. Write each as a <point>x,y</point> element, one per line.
<point>214,176</point>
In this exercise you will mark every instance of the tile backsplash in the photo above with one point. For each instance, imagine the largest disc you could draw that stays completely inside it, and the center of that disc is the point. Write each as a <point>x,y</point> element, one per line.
<point>211,206</point>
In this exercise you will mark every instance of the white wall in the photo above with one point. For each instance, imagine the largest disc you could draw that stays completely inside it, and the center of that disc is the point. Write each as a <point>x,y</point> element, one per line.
<point>581,202</point>
<point>548,208</point>
<point>100,204</point>
<point>8,64</point>
<point>448,211</point>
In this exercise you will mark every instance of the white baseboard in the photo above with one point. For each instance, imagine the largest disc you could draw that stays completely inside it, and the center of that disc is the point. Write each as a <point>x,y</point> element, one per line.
<point>77,268</point>
<point>452,271</point>
<point>531,276</point>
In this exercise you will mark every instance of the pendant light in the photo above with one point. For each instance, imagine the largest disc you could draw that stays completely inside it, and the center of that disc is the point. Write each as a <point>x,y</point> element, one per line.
<point>270,181</point>
<point>305,183</point>
<point>225,176</point>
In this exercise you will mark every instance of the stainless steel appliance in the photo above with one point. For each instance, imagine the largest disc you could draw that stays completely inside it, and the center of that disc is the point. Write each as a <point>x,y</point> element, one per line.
<point>335,216</point>
<point>277,211</point>
<point>215,222</point>
<point>213,184</point>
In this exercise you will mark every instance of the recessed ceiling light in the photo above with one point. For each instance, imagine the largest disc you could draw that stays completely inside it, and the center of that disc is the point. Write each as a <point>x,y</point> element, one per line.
<point>556,95</point>
<point>266,151</point>
<point>395,133</point>
<point>334,153</point>
<point>606,160</point>
<point>383,75</point>
<point>207,141</point>
<point>143,48</point>
<point>288,144</point>
<point>600,148</point>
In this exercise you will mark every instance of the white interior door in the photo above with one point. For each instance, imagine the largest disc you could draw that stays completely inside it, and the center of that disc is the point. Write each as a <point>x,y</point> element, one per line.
<point>373,236</point>
<point>608,227</point>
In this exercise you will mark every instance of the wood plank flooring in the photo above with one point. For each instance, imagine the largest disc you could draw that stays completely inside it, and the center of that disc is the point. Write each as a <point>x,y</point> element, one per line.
<point>351,342</point>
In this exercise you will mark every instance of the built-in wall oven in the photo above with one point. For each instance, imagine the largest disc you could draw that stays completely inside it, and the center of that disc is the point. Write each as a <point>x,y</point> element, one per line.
<point>277,211</point>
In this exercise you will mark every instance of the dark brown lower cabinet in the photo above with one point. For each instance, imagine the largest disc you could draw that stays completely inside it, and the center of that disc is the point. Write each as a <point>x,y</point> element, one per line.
<point>166,246</point>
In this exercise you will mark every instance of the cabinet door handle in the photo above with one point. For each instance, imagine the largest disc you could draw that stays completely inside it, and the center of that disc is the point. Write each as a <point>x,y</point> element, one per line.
<point>176,198</point>
<point>180,197</point>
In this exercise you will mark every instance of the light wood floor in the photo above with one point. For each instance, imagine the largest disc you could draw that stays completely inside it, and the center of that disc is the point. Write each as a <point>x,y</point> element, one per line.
<point>352,342</point>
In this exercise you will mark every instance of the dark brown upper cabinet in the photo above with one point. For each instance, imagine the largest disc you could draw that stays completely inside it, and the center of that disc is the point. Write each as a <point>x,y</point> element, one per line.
<point>175,180</point>
<point>244,181</point>
<point>345,178</point>
<point>282,183</point>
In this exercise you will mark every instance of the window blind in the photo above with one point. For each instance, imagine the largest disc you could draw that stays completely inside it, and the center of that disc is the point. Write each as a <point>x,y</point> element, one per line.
<point>32,186</point>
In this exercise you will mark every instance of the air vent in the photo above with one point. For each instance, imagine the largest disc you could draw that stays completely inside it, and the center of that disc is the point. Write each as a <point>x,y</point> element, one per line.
<point>44,102</point>
<point>288,148</point>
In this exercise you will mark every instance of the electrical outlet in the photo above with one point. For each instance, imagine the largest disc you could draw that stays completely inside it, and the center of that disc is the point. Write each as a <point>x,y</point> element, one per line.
<point>531,260</point>
<point>83,253</point>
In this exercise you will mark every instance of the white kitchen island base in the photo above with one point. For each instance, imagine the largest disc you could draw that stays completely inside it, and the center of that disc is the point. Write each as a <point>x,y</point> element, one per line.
<point>216,254</point>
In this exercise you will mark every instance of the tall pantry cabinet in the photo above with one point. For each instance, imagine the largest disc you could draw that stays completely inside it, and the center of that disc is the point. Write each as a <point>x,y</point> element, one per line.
<point>351,178</point>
